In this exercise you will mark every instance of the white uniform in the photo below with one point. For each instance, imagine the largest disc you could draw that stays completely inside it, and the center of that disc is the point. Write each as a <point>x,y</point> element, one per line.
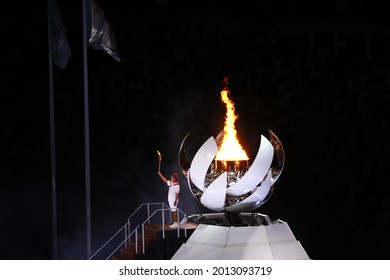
<point>174,188</point>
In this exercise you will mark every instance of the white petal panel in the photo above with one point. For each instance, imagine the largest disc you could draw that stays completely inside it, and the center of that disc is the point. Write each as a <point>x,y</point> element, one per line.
<point>201,162</point>
<point>215,194</point>
<point>254,200</point>
<point>256,172</point>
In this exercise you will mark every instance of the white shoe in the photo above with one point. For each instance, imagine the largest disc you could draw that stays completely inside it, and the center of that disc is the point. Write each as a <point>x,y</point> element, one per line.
<point>174,225</point>
<point>183,221</point>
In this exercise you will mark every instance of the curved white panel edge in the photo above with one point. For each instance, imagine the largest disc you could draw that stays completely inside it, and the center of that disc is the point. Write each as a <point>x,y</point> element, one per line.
<point>215,194</point>
<point>277,176</point>
<point>188,177</point>
<point>255,199</point>
<point>189,184</point>
<point>256,172</point>
<point>201,162</point>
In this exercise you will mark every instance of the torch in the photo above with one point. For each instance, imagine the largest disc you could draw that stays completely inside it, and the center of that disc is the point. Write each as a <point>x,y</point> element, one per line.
<point>159,159</point>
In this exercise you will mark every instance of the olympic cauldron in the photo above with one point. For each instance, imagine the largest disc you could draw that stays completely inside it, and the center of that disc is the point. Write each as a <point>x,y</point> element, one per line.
<point>228,184</point>
<point>233,186</point>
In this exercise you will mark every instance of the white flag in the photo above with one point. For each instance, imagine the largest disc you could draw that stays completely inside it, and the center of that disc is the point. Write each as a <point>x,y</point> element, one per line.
<point>61,49</point>
<point>102,38</point>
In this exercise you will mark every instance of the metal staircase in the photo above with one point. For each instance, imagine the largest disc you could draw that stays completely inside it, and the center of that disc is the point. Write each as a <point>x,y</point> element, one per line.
<point>148,225</point>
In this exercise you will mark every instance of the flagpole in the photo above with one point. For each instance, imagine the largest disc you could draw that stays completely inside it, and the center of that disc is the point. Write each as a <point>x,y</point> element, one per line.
<point>52,144</point>
<point>86,134</point>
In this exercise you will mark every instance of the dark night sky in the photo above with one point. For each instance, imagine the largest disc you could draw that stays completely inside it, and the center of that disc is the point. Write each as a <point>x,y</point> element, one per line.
<point>317,75</point>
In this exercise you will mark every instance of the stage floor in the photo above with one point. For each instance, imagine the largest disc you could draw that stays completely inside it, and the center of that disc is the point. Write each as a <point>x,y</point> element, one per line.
<point>160,227</point>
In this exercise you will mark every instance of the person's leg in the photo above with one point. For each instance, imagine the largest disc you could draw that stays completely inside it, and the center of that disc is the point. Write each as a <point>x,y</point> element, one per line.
<point>174,215</point>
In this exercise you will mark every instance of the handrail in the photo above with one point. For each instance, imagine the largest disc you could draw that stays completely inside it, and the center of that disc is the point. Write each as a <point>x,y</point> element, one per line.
<point>107,242</point>
<point>124,226</point>
<point>126,240</point>
<point>163,229</point>
<point>143,204</point>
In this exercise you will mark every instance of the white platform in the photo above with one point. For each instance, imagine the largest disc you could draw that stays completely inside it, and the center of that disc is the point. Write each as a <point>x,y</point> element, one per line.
<point>264,242</point>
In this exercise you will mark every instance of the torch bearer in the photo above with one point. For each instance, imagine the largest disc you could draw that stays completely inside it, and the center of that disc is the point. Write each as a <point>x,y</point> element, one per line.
<point>159,159</point>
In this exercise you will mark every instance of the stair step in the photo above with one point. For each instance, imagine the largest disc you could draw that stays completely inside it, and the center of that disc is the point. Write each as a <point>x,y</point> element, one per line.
<point>146,240</point>
<point>126,255</point>
<point>132,248</point>
<point>150,232</point>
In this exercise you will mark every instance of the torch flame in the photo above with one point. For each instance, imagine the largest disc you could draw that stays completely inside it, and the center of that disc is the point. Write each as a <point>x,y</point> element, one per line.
<point>230,149</point>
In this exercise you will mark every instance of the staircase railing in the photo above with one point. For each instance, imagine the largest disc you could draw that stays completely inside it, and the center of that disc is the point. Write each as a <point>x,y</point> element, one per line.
<point>116,242</point>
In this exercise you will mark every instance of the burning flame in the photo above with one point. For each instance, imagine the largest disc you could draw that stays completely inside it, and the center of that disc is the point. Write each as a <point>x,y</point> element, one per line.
<point>230,149</point>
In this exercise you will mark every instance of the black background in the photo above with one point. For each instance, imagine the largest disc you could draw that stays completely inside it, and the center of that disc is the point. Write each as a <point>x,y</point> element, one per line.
<point>316,74</point>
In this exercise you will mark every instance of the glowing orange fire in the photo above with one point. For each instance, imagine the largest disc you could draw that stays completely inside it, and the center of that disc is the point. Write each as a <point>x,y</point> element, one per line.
<point>230,149</point>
